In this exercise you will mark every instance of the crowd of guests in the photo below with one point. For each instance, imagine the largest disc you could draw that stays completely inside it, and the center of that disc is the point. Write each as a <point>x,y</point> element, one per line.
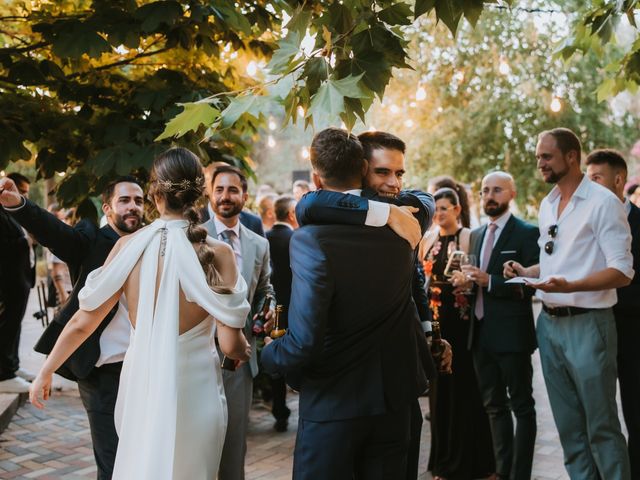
<point>580,261</point>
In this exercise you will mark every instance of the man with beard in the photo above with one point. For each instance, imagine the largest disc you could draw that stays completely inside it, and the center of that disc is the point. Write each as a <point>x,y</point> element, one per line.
<point>384,155</point>
<point>502,334</point>
<point>97,363</point>
<point>229,194</point>
<point>585,255</point>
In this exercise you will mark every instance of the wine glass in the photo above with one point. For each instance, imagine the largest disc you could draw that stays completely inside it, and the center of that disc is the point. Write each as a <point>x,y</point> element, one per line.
<point>466,261</point>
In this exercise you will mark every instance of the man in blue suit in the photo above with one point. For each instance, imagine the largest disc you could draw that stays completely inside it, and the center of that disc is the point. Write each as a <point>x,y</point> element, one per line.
<point>609,169</point>
<point>350,349</point>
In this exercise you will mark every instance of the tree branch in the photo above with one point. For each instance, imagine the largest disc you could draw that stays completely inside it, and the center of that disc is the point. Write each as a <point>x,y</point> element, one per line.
<point>119,63</point>
<point>30,48</point>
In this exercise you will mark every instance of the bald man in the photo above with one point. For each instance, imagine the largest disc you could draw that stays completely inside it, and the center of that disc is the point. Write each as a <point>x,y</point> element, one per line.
<point>502,335</point>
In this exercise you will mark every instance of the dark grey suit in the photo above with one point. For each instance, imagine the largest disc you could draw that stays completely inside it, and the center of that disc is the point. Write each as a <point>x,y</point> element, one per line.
<point>502,343</point>
<point>238,385</point>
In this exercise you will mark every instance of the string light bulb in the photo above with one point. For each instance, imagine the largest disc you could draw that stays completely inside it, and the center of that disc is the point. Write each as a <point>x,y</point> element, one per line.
<point>252,68</point>
<point>504,67</point>
<point>305,152</point>
<point>272,124</point>
<point>556,105</point>
<point>421,94</point>
<point>271,142</point>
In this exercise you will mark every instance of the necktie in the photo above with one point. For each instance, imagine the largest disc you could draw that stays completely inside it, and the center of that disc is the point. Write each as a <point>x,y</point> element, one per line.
<point>228,236</point>
<point>486,256</point>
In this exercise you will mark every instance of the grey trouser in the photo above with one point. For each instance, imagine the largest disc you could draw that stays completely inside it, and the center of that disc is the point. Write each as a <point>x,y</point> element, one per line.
<point>578,355</point>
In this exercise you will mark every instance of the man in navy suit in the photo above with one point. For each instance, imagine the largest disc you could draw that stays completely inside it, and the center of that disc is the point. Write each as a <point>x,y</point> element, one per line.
<point>609,169</point>
<point>502,336</point>
<point>350,348</point>
<point>279,238</point>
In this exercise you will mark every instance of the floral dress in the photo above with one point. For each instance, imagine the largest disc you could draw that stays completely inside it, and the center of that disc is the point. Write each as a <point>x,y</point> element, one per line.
<point>461,447</point>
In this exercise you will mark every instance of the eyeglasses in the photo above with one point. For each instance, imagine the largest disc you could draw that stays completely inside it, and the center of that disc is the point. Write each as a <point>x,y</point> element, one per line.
<point>485,192</point>
<point>552,232</point>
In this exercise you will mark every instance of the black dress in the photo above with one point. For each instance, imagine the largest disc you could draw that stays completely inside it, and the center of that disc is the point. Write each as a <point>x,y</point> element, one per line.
<point>461,446</point>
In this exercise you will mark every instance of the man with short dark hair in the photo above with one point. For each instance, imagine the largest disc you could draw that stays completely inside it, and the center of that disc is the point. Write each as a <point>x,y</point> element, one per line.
<point>279,238</point>
<point>584,256</point>
<point>350,348</point>
<point>300,187</point>
<point>228,196</point>
<point>248,219</point>
<point>609,168</point>
<point>17,277</point>
<point>97,363</point>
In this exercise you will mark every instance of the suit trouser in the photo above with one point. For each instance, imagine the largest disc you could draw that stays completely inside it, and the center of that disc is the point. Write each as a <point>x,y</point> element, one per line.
<point>279,408</point>
<point>628,329</point>
<point>15,303</point>
<point>238,388</point>
<point>505,381</point>
<point>578,355</point>
<point>415,429</point>
<point>99,392</point>
<point>364,448</point>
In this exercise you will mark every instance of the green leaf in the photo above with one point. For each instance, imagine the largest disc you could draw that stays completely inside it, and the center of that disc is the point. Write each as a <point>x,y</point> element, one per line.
<point>77,40</point>
<point>472,10</point>
<point>606,89</point>
<point>299,21</point>
<point>253,105</point>
<point>288,49</point>
<point>232,16</point>
<point>398,14</point>
<point>423,6</point>
<point>348,87</point>
<point>193,115</point>
<point>327,103</point>
<point>155,14</point>
<point>450,12</point>
<point>315,72</point>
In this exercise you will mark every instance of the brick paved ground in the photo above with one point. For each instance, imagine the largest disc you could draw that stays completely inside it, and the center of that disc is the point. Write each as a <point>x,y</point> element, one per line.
<point>55,443</point>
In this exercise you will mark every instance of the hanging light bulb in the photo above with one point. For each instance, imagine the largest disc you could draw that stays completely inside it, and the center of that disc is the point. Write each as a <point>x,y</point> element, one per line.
<point>421,94</point>
<point>272,124</point>
<point>305,152</point>
<point>394,108</point>
<point>556,105</point>
<point>301,112</point>
<point>271,142</point>
<point>504,67</point>
<point>408,123</point>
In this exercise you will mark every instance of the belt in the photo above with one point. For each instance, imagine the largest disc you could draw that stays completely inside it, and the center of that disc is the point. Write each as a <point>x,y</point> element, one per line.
<point>565,311</point>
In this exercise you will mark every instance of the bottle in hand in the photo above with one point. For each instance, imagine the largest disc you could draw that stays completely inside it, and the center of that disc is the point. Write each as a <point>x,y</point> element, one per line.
<point>437,346</point>
<point>277,332</point>
<point>258,324</point>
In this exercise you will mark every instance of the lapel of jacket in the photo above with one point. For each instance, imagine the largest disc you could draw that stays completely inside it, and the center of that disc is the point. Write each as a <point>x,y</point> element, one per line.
<point>476,247</point>
<point>248,251</point>
<point>504,236</point>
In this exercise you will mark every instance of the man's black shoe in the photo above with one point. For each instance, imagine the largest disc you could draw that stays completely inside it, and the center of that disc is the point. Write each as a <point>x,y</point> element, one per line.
<point>281,424</point>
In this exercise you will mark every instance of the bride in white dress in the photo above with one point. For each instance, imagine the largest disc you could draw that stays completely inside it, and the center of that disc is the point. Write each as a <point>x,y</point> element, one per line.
<point>179,285</point>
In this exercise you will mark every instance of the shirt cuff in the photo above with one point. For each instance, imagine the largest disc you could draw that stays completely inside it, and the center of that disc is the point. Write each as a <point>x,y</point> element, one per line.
<point>378,214</point>
<point>22,204</point>
<point>426,327</point>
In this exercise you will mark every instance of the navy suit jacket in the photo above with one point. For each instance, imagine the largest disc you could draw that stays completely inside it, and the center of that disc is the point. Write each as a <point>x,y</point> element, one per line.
<point>350,347</point>
<point>279,238</point>
<point>629,297</point>
<point>83,248</point>
<point>507,326</point>
<point>16,274</point>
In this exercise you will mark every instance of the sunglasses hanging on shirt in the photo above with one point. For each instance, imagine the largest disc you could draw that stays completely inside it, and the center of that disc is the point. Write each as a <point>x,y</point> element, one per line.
<point>552,232</point>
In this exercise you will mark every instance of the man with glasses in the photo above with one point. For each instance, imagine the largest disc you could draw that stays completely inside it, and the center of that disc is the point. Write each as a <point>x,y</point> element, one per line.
<point>585,255</point>
<point>502,337</point>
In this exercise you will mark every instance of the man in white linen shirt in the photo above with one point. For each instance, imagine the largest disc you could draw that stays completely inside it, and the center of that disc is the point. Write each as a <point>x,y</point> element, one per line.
<point>585,255</point>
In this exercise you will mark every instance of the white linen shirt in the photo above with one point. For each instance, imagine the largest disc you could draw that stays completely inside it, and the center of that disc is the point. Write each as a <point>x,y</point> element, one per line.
<point>593,234</point>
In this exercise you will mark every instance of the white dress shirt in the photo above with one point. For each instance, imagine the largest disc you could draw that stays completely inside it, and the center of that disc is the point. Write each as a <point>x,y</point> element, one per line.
<point>378,212</point>
<point>593,234</point>
<point>500,222</point>
<point>114,340</point>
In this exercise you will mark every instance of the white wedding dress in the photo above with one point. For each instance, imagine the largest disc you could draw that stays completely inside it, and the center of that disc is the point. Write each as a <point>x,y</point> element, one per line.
<point>171,412</point>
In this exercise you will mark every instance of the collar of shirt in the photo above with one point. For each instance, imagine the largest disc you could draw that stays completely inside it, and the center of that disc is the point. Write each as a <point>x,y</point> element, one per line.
<point>355,191</point>
<point>212,214</point>
<point>221,227</point>
<point>627,205</point>
<point>500,222</point>
<point>581,192</point>
<point>283,223</point>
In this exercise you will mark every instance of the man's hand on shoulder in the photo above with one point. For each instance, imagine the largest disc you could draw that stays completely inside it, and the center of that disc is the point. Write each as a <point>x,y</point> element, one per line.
<point>9,195</point>
<point>404,224</point>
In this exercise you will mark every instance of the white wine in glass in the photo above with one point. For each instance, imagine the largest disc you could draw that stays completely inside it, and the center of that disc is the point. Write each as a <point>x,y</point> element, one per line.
<point>466,261</point>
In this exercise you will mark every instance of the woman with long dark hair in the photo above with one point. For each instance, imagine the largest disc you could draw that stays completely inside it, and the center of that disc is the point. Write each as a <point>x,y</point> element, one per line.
<point>179,285</point>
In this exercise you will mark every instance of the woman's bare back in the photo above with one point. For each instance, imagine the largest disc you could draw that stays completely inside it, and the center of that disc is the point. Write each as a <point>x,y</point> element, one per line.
<point>191,314</point>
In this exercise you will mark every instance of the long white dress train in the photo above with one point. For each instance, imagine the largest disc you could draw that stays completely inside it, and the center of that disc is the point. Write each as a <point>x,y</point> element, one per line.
<point>171,412</point>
